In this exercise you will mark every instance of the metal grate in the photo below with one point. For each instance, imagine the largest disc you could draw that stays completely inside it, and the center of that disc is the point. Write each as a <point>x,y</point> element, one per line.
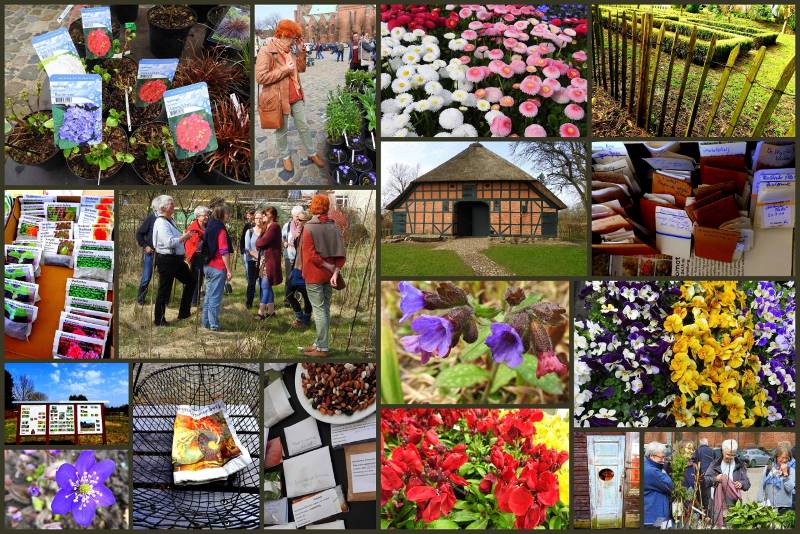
<point>158,503</point>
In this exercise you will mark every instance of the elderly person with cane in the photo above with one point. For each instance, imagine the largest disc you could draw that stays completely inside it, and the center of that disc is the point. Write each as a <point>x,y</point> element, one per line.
<point>727,476</point>
<point>321,256</point>
<point>658,485</point>
<point>168,243</point>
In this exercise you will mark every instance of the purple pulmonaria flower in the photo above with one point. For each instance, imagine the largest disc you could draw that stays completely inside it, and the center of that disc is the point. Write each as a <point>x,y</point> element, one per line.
<point>435,336</point>
<point>505,344</point>
<point>549,363</point>
<point>81,488</point>
<point>411,300</point>
<point>16,517</point>
<point>34,491</point>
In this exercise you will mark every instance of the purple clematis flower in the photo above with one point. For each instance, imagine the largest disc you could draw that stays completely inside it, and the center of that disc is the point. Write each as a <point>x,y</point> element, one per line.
<point>81,488</point>
<point>434,337</point>
<point>505,344</point>
<point>411,300</point>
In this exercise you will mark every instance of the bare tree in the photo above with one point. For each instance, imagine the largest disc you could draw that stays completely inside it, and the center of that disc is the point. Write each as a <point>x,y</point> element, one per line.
<point>37,396</point>
<point>399,177</point>
<point>563,164</point>
<point>268,22</point>
<point>25,390</point>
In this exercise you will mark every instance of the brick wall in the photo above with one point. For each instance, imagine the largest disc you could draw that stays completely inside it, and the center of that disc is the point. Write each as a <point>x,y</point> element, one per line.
<point>579,462</point>
<point>765,440</point>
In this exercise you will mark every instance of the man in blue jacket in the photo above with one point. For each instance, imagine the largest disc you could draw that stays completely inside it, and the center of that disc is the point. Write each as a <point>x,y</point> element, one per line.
<point>706,456</point>
<point>657,486</point>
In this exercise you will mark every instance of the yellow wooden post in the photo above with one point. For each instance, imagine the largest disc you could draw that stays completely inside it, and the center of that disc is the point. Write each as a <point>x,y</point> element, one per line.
<point>686,66</point>
<point>654,77</point>
<point>712,46</point>
<point>667,82</point>
<point>777,93</point>
<point>723,81</point>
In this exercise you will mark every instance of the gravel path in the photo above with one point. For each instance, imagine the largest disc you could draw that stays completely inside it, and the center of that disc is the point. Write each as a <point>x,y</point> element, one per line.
<point>469,249</point>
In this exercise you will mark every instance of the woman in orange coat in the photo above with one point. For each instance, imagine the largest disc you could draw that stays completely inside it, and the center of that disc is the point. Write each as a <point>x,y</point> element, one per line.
<point>278,66</point>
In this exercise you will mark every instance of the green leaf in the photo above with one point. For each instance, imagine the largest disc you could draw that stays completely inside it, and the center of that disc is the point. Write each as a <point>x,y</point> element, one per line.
<point>443,524</point>
<point>473,351</point>
<point>461,375</point>
<point>463,516</point>
<point>385,524</point>
<point>549,383</point>
<point>391,388</point>
<point>465,469</point>
<point>487,312</point>
<point>504,375</point>
<point>530,300</point>
<point>479,524</point>
<point>38,503</point>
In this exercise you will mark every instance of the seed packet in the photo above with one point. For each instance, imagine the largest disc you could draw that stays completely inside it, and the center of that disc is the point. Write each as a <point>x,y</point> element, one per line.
<point>28,227</point>
<point>73,311</point>
<point>105,203</point>
<point>95,216</point>
<point>93,244</point>
<point>77,101</point>
<point>23,254</point>
<point>76,347</point>
<point>57,53</point>
<point>97,32</point>
<point>19,271</point>
<point>100,232</point>
<point>205,446</point>
<point>83,328</point>
<point>88,305</point>
<point>19,318</point>
<point>87,289</point>
<point>20,291</point>
<point>94,265</point>
<point>234,28</point>
<point>153,78</point>
<point>65,315</point>
<point>61,211</point>
<point>58,251</point>
<point>59,229</point>
<point>190,121</point>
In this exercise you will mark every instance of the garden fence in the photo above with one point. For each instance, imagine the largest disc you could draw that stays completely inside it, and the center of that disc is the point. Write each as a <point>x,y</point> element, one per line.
<point>624,43</point>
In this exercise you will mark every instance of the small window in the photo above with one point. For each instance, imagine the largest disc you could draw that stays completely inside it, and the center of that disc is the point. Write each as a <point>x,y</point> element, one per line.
<point>496,205</point>
<point>606,474</point>
<point>446,206</point>
<point>452,186</point>
<point>524,206</point>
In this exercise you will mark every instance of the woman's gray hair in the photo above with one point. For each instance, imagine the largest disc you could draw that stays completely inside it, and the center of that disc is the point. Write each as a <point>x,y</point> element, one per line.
<point>201,210</point>
<point>730,445</point>
<point>655,448</point>
<point>160,202</point>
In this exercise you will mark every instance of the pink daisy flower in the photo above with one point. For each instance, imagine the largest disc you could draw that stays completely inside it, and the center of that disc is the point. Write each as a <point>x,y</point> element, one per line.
<point>501,126</point>
<point>475,25</point>
<point>521,24</point>
<point>574,112</point>
<point>475,74</point>
<point>493,94</point>
<point>469,35</point>
<point>551,71</point>
<point>535,130</point>
<point>495,54</point>
<point>530,85</point>
<point>552,83</point>
<point>506,71</point>
<point>560,96</point>
<point>495,65</point>
<point>569,130</point>
<point>528,109</point>
<point>579,56</point>
<point>518,66</point>
<point>546,91</point>
<point>573,73</point>
<point>469,47</point>
<point>506,101</point>
<point>578,82</point>
<point>576,94</point>
<point>509,42</point>
<point>465,13</point>
<point>520,48</point>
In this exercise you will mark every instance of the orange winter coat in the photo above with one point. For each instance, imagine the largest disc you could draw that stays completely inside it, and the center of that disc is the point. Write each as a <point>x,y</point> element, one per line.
<point>274,79</point>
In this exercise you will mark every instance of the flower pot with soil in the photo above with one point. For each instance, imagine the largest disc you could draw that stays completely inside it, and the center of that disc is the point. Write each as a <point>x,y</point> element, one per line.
<point>369,178</point>
<point>202,11</point>
<point>118,73</point>
<point>169,27</point>
<point>346,174</point>
<point>76,33</point>
<point>29,134</point>
<point>343,119</point>
<point>105,158</point>
<point>139,116</point>
<point>148,144</point>
<point>338,154</point>
<point>361,163</point>
<point>125,12</point>
<point>231,159</point>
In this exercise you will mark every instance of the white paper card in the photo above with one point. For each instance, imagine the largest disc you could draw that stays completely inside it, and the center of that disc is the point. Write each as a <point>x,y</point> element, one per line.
<point>302,436</point>
<point>287,526</point>
<point>276,403</point>
<point>319,506</point>
<point>710,149</point>
<point>332,525</point>
<point>362,471</point>
<point>673,232</point>
<point>309,472</point>
<point>671,164</point>
<point>276,512</point>
<point>357,432</point>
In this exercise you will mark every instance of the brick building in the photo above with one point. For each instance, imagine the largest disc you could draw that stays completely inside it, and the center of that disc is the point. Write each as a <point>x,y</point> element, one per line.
<point>767,440</point>
<point>605,484</point>
<point>476,193</point>
<point>328,23</point>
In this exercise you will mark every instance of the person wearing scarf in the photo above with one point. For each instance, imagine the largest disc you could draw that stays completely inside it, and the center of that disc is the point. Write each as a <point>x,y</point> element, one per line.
<point>277,71</point>
<point>778,484</point>
<point>320,257</point>
<point>289,234</point>
<point>728,477</point>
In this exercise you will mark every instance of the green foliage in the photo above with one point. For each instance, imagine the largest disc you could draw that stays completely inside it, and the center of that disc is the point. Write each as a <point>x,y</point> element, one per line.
<point>104,157</point>
<point>756,515</point>
<point>679,464</point>
<point>342,113</point>
<point>114,118</point>
<point>103,73</point>
<point>357,80</point>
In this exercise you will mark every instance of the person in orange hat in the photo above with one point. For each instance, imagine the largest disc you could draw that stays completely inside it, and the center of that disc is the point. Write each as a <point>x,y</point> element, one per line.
<point>278,66</point>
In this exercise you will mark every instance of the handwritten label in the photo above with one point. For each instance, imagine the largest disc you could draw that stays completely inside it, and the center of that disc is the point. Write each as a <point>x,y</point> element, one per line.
<point>302,436</point>
<point>363,472</point>
<point>671,164</point>
<point>671,186</point>
<point>779,215</point>
<point>708,149</point>
<point>319,506</point>
<point>357,432</point>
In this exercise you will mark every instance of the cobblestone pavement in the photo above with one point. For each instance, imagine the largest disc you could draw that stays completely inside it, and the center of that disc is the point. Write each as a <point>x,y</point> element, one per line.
<point>325,75</point>
<point>469,249</point>
<point>21,61</point>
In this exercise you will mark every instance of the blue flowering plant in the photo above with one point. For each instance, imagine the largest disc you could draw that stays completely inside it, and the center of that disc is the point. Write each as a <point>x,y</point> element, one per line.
<point>105,157</point>
<point>476,341</point>
<point>77,101</point>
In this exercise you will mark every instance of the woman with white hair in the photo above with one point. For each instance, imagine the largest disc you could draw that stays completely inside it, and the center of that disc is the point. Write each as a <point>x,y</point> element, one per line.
<point>727,476</point>
<point>194,255</point>
<point>168,242</point>
<point>289,234</point>
<point>658,485</point>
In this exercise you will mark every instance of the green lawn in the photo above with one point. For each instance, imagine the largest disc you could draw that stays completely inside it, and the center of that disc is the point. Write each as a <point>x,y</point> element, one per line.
<point>419,259</point>
<point>540,259</point>
<point>117,427</point>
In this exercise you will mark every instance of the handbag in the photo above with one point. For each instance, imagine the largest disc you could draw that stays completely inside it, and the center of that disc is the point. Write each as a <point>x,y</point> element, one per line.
<point>271,114</point>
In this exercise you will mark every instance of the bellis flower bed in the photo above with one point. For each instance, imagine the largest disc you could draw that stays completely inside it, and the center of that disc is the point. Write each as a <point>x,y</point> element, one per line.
<point>479,71</point>
<point>686,354</point>
<point>455,468</point>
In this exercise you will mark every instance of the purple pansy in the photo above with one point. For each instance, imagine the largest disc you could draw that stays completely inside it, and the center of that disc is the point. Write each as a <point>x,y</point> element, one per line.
<point>81,488</point>
<point>505,344</point>
<point>411,300</point>
<point>434,337</point>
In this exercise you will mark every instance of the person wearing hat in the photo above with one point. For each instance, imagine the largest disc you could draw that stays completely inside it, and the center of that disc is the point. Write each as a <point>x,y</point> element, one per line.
<point>278,66</point>
<point>295,284</point>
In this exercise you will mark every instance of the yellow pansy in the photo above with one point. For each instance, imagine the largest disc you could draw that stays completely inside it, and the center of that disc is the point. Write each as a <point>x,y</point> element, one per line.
<point>673,323</point>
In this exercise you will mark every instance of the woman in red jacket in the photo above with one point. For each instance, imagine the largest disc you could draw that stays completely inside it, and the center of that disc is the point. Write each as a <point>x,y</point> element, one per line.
<point>321,256</point>
<point>270,248</point>
<point>193,256</point>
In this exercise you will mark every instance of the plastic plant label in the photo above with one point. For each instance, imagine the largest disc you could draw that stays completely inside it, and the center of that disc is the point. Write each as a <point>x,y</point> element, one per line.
<point>57,53</point>
<point>153,79</point>
<point>234,28</point>
<point>190,121</point>
<point>97,32</point>
<point>77,101</point>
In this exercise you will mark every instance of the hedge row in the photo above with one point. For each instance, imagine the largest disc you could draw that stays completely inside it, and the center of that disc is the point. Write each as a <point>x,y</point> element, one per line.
<point>760,36</point>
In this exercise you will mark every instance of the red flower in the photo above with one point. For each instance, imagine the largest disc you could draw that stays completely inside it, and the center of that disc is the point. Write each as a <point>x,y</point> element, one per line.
<point>549,363</point>
<point>98,42</point>
<point>193,133</point>
<point>432,503</point>
<point>152,91</point>
<point>486,484</point>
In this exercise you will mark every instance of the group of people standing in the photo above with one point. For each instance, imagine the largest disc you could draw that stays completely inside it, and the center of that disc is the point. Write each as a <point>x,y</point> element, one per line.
<point>309,248</point>
<point>362,50</point>
<point>715,482</point>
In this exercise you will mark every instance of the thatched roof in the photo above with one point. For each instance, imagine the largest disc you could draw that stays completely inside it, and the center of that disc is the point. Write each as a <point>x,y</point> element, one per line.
<point>477,163</point>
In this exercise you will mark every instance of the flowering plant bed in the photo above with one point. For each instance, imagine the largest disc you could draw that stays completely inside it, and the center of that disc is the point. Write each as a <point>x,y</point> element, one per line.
<point>474,468</point>
<point>686,354</point>
<point>475,70</point>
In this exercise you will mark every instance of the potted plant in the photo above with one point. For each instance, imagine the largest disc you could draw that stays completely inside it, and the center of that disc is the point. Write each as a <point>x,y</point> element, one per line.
<point>119,72</point>
<point>346,174</point>
<point>125,12</point>
<point>231,159</point>
<point>361,163</point>
<point>202,11</point>
<point>213,17</point>
<point>367,101</point>
<point>29,132</point>
<point>139,116</point>
<point>680,461</point>
<point>369,178</point>
<point>105,159</point>
<point>76,32</point>
<point>221,76</point>
<point>343,118</point>
<point>232,32</point>
<point>355,80</point>
<point>169,26</point>
<point>148,144</point>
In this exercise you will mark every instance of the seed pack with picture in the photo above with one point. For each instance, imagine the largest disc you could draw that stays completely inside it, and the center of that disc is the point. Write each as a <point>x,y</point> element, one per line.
<point>190,121</point>
<point>234,28</point>
<point>77,109</point>
<point>57,53</point>
<point>97,32</point>
<point>153,80</point>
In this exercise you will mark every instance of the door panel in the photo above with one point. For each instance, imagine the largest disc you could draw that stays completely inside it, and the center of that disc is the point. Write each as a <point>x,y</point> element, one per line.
<point>399,222</point>
<point>606,455</point>
<point>550,224</point>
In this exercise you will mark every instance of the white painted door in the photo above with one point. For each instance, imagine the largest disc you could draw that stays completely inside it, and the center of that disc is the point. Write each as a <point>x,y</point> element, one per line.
<point>606,475</point>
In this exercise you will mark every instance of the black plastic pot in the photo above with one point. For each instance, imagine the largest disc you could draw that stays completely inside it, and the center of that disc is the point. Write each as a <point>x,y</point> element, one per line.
<point>116,31</point>
<point>338,154</point>
<point>213,17</point>
<point>106,176</point>
<point>178,179</point>
<point>369,178</point>
<point>53,162</point>
<point>215,176</point>
<point>362,166</point>
<point>346,175</point>
<point>202,11</point>
<point>125,12</point>
<point>167,42</point>
<point>355,142</point>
